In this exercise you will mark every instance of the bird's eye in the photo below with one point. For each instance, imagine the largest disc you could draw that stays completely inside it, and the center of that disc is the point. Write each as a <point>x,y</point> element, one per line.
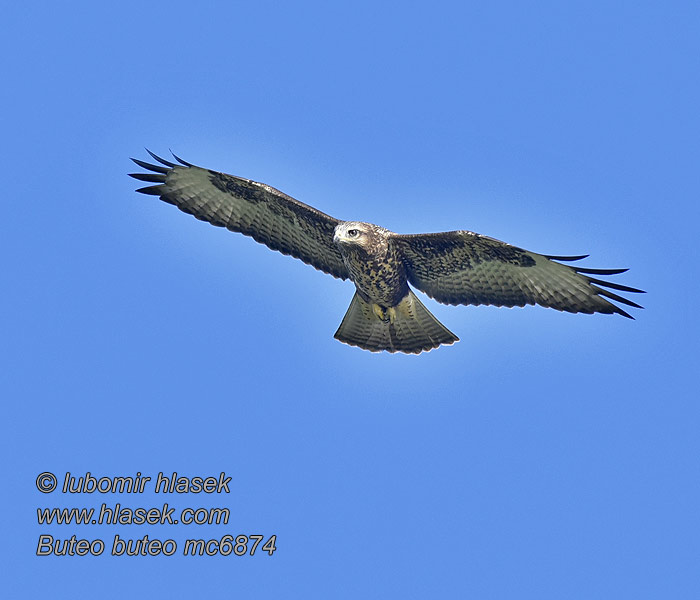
<point>353,232</point>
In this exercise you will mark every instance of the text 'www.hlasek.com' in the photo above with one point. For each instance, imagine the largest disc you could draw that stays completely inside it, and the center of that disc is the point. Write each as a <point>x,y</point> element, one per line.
<point>234,543</point>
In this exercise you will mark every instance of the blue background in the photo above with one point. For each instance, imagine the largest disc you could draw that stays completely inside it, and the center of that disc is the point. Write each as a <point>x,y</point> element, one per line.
<point>546,455</point>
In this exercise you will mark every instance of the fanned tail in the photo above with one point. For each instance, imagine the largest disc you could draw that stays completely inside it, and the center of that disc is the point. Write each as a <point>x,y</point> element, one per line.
<point>408,327</point>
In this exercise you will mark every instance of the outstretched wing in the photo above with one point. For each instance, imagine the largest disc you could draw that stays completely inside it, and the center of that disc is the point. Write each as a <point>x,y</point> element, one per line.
<point>254,209</point>
<point>461,267</point>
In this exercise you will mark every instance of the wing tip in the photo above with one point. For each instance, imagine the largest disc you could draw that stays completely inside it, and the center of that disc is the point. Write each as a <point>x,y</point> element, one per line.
<point>158,173</point>
<point>617,298</point>
<point>150,177</point>
<point>152,190</point>
<point>615,286</point>
<point>184,163</point>
<point>162,161</point>
<point>566,258</point>
<point>596,283</point>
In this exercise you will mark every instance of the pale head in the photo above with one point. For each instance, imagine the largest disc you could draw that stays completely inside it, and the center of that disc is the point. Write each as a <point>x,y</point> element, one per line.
<point>358,233</point>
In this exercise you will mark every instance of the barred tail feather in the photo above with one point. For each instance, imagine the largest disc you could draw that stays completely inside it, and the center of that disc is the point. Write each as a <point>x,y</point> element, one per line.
<point>408,327</point>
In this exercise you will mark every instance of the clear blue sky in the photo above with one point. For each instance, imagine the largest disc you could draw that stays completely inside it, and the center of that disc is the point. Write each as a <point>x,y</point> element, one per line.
<point>546,455</point>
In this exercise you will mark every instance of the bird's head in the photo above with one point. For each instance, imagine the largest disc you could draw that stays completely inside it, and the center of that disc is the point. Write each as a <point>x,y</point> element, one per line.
<point>352,233</point>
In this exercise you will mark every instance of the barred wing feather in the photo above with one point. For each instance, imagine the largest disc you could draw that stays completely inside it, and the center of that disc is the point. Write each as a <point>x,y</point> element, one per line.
<point>462,267</point>
<point>248,207</point>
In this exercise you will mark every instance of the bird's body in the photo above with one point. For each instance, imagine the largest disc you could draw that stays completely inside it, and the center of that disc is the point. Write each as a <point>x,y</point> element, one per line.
<point>456,267</point>
<point>374,263</point>
<point>384,313</point>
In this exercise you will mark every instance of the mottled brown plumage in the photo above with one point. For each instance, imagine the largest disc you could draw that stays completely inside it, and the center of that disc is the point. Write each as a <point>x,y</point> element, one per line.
<point>456,267</point>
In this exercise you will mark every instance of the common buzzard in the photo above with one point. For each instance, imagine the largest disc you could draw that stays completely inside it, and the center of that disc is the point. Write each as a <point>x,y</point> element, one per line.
<point>455,267</point>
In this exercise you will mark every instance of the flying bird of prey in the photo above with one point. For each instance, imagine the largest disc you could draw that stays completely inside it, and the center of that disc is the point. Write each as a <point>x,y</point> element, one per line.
<point>454,267</point>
